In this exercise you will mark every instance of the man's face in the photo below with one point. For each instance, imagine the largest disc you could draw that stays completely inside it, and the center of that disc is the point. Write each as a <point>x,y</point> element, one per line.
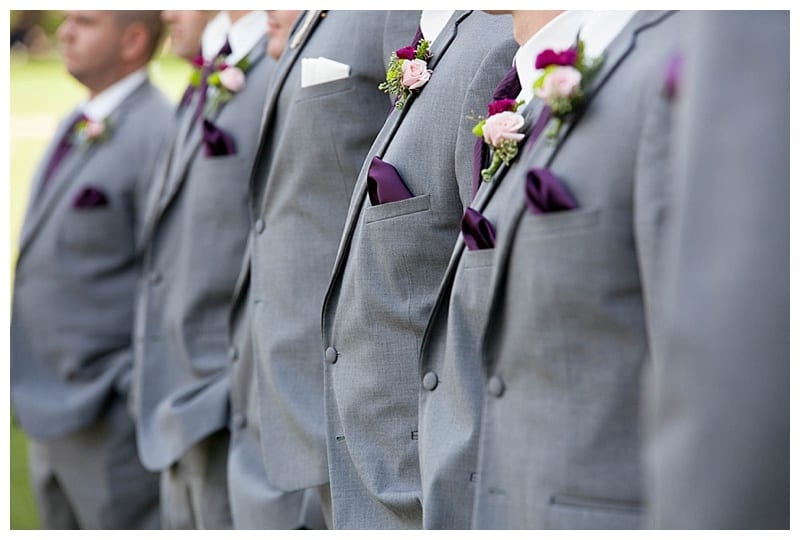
<point>186,30</point>
<point>279,23</point>
<point>91,45</point>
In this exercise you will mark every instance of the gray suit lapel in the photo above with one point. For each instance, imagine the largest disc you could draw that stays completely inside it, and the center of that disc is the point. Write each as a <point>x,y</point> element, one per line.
<point>285,64</point>
<point>484,195</point>
<point>440,45</point>
<point>67,173</point>
<point>34,199</point>
<point>544,151</point>
<point>177,174</point>
<point>282,69</point>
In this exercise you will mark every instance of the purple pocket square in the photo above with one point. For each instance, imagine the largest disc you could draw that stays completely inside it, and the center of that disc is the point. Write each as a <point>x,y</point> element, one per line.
<point>90,197</point>
<point>216,142</point>
<point>476,230</point>
<point>544,193</point>
<point>384,184</point>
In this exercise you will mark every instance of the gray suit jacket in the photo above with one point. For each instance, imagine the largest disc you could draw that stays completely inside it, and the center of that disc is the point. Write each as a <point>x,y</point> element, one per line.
<point>390,261</point>
<point>571,302</point>
<point>76,273</point>
<point>313,141</point>
<point>194,239</point>
<point>719,440</point>
<point>451,369</point>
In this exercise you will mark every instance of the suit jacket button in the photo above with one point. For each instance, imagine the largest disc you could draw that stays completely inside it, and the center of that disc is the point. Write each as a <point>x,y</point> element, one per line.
<point>496,386</point>
<point>239,421</point>
<point>155,277</point>
<point>233,354</point>
<point>430,381</point>
<point>259,226</point>
<point>331,355</point>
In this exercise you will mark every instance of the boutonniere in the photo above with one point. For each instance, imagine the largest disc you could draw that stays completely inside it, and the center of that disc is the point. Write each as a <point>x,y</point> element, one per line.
<point>227,79</point>
<point>407,72</point>
<point>562,85</point>
<point>502,131</point>
<point>88,131</point>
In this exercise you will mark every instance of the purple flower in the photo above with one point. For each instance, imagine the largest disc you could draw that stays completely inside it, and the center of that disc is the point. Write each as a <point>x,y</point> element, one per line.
<point>198,61</point>
<point>406,53</point>
<point>501,105</point>
<point>549,57</point>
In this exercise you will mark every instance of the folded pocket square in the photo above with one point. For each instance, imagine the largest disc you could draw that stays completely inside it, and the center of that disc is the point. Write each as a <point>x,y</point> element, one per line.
<point>320,70</point>
<point>216,142</point>
<point>90,197</point>
<point>384,184</point>
<point>545,193</point>
<point>476,230</point>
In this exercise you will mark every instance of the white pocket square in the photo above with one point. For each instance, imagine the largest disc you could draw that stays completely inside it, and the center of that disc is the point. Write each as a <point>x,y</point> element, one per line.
<point>321,70</point>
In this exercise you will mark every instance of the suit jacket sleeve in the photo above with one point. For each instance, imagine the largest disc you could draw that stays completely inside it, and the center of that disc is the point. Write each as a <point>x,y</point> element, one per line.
<point>718,441</point>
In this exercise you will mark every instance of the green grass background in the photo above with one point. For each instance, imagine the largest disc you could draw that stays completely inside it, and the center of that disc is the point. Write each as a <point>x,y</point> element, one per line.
<point>41,92</point>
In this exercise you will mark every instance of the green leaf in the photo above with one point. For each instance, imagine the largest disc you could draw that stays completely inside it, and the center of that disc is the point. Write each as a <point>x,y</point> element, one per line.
<point>478,129</point>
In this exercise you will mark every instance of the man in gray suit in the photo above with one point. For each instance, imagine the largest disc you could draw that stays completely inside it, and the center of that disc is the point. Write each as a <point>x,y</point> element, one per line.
<point>194,237</point>
<point>322,113</point>
<point>451,373</point>
<point>255,503</point>
<point>74,288</point>
<point>718,452</point>
<point>573,299</point>
<point>403,220</point>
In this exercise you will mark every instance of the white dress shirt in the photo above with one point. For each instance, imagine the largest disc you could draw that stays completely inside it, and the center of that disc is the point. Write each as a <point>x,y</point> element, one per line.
<point>100,106</point>
<point>597,28</point>
<point>431,22</point>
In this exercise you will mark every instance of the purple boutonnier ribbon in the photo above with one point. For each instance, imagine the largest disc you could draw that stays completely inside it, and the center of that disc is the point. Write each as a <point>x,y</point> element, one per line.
<point>216,142</point>
<point>90,197</point>
<point>672,76</point>
<point>384,184</point>
<point>544,193</point>
<point>476,230</point>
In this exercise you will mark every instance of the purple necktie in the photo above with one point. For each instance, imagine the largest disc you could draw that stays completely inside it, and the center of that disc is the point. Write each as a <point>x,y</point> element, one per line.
<point>63,148</point>
<point>509,88</point>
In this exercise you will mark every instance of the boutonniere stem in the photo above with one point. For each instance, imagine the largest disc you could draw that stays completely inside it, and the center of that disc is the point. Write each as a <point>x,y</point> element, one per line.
<point>502,131</point>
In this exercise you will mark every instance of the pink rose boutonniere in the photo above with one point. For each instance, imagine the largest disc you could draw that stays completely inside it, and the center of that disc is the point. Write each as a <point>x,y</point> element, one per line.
<point>227,79</point>
<point>89,131</point>
<point>407,72</point>
<point>502,131</point>
<point>563,83</point>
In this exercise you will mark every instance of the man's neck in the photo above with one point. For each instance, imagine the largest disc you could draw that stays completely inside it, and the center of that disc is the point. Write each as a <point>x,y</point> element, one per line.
<point>527,23</point>
<point>101,86</point>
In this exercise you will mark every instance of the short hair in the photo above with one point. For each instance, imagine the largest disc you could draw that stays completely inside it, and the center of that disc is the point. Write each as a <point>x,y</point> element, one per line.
<point>151,21</point>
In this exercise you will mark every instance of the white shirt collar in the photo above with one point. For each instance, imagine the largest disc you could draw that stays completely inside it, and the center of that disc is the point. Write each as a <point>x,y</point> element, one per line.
<point>103,104</point>
<point>598,29</point>
<point>245,33</point>
<point>432,22</point>
<point>214,35</point>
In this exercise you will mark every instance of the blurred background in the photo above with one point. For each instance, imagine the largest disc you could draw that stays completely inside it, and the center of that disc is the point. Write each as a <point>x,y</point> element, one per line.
<point>41,93</point>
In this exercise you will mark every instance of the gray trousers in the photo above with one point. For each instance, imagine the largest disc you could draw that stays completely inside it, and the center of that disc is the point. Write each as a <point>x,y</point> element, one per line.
<point>194,489</point>
<point>93,479</point>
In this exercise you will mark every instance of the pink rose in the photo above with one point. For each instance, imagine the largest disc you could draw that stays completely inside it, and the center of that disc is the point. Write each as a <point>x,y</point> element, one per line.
<point>415,74</point>
<point>94,129</point>
<point>560,83</point>
<point>232,79</point>
<point>503,126</point>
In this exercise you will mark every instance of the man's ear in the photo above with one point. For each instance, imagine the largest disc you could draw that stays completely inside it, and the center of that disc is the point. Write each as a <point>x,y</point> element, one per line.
<point>135,41</point>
